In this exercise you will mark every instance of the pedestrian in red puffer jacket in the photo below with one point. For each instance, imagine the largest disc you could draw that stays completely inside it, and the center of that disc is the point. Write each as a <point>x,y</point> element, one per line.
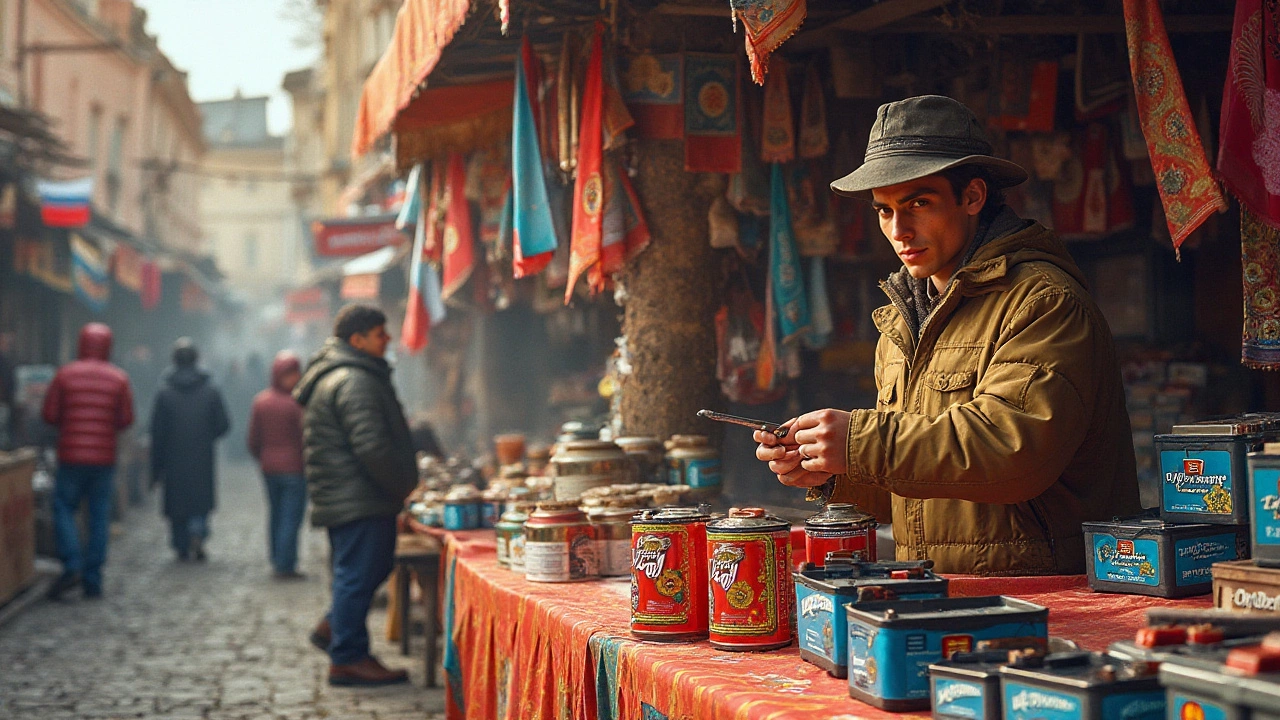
<point>89,402</point>
<point>275,441</point>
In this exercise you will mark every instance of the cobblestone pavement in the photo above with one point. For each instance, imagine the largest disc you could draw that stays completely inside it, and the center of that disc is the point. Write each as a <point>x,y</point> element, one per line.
<point>220,640</point>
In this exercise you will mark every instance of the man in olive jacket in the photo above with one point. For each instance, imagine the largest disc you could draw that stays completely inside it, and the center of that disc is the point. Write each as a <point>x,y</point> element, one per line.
<point>1000,423</point>
<point>360,467</point>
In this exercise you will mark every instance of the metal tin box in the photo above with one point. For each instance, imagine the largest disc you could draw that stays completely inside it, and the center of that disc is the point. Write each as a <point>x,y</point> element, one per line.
<point>1202,468</point>
<point>1153,557</point>
<point>1264,493</point>
<point>1082,686</point>
<point>967,686</point>
<point>1242,586</point>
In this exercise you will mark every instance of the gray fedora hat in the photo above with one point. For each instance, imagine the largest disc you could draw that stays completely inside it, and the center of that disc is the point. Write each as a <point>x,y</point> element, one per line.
<point>922,136</point>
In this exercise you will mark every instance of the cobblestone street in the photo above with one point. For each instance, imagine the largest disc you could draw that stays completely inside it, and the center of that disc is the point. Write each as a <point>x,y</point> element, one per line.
<point>219,640</point>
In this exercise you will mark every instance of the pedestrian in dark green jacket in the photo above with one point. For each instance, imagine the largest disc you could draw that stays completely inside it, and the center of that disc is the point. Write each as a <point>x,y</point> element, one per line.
<point>360,467</point>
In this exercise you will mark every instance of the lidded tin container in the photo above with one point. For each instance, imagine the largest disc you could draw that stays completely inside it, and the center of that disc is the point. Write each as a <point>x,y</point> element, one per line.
<point>560,544</point>
<point>647,457</point>
<point>1082,686</point>
<point>822,592</point>
<point>1242,586</point>
<point>669,574</point>
<point>1153,557</point>
<point>510,533</point>
<point>579,465</point>
<point>693,462</point>
<point>837,527</point>
<point>462,508</point>
<point>613,537</point>
<point>1264,493</point>
<point>1203,691</point>
<point>1203,471</point>
<point>967,687</point>
<point>749,558</point>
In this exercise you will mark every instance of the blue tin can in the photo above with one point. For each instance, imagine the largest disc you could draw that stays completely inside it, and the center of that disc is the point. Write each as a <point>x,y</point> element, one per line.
<point>490,511</point>
<point>893,643</point>
<point>1203,474</point>
<point>1082,686</point>
<point>822,592</point>
<point>967,686</point>
<point>461,515</point>
<point>1152,557</point>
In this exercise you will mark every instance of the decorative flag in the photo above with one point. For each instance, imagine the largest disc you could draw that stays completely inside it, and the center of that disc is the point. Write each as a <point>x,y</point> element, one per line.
<point>768,24</point>
<point>411,211</point>
<point>616,118</point>
<point>814,141</point>
<point>459,237</point>
<point>712,134</point>
<point>767,362</point>
<point>1027,98</point>
<point>426,306</point>
<point>653,88</point>
<point>778,134</point>
<point>488,178</point>
<point>533,232</point>
<point>89,274</point>
<point>820,306</point>
<point>1187,188</point>
<point>625,232</point>
<point>65,204</point>
<point>1249,149</point>
<point>790,303</point>
<point>588,190</point>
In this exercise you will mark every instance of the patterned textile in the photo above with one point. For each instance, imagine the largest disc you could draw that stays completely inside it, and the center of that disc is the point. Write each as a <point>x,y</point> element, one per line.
<point>533,233</point>
<point>712,122</point>
<point>814,141</point>
<point>1186,185</point>
<point>1249,150</point>
<point>1260,255</point>
<point>778,132</point>
<point>653,88</point>
<point>768,24</point>
<point>459,230</point>
<point>625,231</point>
<point>588,189</point>
<point>789,297</point>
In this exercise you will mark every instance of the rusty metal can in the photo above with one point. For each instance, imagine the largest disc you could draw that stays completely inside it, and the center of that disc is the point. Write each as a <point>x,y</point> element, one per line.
<point>669,575</point>
<point>840,526</point>
<point>559,544</point>
<point>749,558</point>
<point>613,540</point>
<point>510,534</point>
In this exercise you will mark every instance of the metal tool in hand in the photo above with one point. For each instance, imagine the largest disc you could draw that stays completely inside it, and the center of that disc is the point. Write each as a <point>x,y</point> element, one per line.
<point>778,431</point>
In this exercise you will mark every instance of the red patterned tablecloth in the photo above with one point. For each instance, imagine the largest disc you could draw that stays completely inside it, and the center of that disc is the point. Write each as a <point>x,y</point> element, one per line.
<point>536,651</point>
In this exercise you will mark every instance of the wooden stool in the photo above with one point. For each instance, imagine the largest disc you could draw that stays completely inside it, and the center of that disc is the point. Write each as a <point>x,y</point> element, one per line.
<point>421,555</point>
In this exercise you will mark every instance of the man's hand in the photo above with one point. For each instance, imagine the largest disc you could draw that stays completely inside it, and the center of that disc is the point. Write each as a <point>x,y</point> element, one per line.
<point>813,450</point>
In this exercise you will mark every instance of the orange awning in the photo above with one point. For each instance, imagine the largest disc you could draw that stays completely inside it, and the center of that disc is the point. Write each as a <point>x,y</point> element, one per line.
<point>423,29</point>
<point>455,118</point>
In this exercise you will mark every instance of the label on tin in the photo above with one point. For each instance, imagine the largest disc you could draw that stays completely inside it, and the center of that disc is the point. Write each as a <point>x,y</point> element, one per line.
<point>702,473</point>
<point>1027,702</point>
<point>515,551</point>
<point>1126,561</point>
<point>958,698</point>
<point>1149,705</point>
<point>1197,481</point>
<point>815,626</point>
<point>1266,506</point>
<point>615,557</point>
<point>1194,558</point>
<point>504,557</point>
<point>1245,599</point>
<point>546,561</point>
<point>749,587</point>
<point>668,591</point>
<point>1182,707</point>
<point>461,517</point>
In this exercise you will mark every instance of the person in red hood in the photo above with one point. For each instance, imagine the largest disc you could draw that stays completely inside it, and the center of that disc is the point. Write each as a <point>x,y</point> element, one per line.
<point>89,402</point>
<point>275,441</point>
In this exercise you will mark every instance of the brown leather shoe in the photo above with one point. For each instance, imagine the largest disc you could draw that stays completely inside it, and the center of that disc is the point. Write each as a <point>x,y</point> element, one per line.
<point>367,672</point>
<point>322,635</point>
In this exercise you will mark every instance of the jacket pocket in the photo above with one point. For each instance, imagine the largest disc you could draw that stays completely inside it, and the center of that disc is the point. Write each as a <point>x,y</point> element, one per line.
<point>889,392</point>
<point>949,380</point>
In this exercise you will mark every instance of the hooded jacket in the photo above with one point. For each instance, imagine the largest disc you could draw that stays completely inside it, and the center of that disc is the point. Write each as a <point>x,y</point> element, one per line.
<point>275,423</point>
<point>1003,427</point>
<point>188,418</point>
<point>358,453</point>
<point>89,401</point>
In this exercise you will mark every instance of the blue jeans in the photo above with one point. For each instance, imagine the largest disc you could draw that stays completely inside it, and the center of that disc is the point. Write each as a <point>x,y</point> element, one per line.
<point>182,529</point>
<point>363,555</point>
<point>287,495</point>
<point>74,483</point>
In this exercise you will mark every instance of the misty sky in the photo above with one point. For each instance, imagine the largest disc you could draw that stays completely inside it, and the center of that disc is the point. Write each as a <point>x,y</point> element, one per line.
<point>228,44</point>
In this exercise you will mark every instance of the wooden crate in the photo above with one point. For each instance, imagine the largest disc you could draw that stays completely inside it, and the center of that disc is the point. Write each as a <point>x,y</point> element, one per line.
<point>17,523</point>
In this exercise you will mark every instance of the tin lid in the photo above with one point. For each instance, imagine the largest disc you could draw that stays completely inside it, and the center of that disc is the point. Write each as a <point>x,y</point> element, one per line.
<point>462,494</point>
<point>748,519</point>
<point>638,443</point>
<point>839,515</point>
<point>557,510</point>
<point>1244,424</point>
<point>518,514</point>
<point>585,445</point>
<point>688,441</point>
<point>1085,670</point>
<point>673,515</point>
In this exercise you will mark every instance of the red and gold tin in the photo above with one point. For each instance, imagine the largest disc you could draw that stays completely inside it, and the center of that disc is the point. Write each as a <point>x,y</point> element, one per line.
<point>559,544</point>
<point>840,526</point>
<point>749,560</point>
<point>669,575</point>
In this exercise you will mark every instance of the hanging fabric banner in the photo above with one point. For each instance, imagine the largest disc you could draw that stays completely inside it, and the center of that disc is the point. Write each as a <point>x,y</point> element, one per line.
<point>1249,146</point>
<point>768,24</point>
<point>778,135</point>
<point>488,177</point>
<point>1186,184</point>
<point>616,118</point>
<point>425,307</point>
<point>588,190</point>
<point>625,231</point>
<point>65,204</point>
<point>653,88</point>
<point>814,141</point>
<point>712,126</point>
<point>459,238</point>
<point>819,305</point>
<point>533,241</point>
<point>126,268</point>
<point>790,303</point>
<point>1260,245</point>
<point>89,274</point>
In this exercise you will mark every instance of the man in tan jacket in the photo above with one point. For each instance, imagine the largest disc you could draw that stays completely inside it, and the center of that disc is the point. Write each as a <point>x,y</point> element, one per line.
<point>1000,423</point>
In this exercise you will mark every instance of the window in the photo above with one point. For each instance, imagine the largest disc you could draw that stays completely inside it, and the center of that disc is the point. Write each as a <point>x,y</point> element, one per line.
<point>251,250</point>
<point>94,139</point>
<point>115,163</point>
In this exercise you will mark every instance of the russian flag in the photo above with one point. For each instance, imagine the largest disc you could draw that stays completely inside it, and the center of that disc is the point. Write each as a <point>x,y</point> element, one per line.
<point>425,307</point>
<point>65,203</point>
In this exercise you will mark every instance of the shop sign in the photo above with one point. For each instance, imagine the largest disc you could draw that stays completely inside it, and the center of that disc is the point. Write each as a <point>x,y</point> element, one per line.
<point>128,271</point>
<point>356,236</point>
<point>361,287</point>
<point>307,305</point>
<point>89,274</point>
<point>40,259</point>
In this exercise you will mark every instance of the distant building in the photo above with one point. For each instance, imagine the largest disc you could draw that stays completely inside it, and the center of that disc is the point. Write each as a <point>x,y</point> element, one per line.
<point>247,211</point>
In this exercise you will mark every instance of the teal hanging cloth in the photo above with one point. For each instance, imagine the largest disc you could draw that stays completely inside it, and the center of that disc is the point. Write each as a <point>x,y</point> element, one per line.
<point>784,264</point>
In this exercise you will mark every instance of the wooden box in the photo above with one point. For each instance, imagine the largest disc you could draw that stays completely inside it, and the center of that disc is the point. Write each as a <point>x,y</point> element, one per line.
<point>17,523</point>
<point>1242,586</point>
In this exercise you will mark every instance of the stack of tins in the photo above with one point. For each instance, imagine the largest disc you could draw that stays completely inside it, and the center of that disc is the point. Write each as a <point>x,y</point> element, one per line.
<point>840,527</point>
<point>579,465</point>
<point>560,544</point>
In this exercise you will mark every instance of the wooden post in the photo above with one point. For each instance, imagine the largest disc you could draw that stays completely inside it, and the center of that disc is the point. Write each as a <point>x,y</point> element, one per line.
<point>672,294</point>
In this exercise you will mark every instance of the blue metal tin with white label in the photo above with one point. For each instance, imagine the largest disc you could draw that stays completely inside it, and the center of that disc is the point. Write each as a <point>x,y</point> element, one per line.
<point>822,592</point>
<point>461,515</point>
<point>967,686</point>
<point>1264,489</point>
<point>1152,557</point>
<point>1082,686</point>
<point>1203,471</point>
<point>893,643</point>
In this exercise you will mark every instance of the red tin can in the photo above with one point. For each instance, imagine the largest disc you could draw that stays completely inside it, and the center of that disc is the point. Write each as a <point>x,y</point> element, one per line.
<point>840,526</point>
<point>749,559</point>
<point>560,544</point>
<point>669,575</point>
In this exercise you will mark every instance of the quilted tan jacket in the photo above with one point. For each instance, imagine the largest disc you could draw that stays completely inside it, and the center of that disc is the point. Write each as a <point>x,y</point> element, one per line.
<point>1005,426</point>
